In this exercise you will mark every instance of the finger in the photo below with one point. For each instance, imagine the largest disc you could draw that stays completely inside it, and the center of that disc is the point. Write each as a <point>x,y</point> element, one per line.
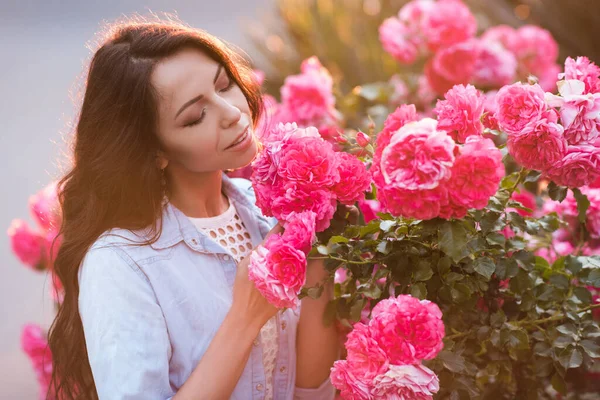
<point>353,214</point>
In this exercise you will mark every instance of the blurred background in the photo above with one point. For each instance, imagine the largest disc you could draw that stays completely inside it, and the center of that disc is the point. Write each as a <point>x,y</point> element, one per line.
<point>42,46</point>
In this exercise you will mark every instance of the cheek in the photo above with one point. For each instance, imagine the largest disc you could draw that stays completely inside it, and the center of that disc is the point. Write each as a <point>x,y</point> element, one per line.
<point>196,150</point>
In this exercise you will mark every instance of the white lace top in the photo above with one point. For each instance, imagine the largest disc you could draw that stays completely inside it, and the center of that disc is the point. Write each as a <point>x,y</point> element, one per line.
<point>229,231</point>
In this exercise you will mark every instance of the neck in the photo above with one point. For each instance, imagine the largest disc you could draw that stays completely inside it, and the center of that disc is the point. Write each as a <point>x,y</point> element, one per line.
<point>198,195</point>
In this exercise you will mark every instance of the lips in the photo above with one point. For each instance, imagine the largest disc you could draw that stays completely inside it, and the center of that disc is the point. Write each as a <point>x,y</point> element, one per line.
<point>239,139</point>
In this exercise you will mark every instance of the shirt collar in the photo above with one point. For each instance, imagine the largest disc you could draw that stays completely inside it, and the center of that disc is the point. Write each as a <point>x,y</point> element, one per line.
<point>176,226</point>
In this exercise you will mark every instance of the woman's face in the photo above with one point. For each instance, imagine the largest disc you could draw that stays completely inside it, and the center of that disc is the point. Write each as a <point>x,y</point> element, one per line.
<point>205,123</point>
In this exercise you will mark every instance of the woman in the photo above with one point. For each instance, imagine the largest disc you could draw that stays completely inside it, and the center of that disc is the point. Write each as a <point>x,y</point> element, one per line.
<point>156,238</point>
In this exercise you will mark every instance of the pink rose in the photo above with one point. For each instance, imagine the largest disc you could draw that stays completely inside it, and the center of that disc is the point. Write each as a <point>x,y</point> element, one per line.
<point>309,162</point>
<point>369,209</point>
<point>362,139</point>
<point>579,112</point>
<point>407,329</point>
<point>400,90</point>
<point>449,23</point>
<point>418,204</point>
<point>518,106</point>
<point>299,199</point>
<point>425,93</point>
<point>476,173</point>
<point>259,76</point>
<point>400,117</point>
<point>490,106</point>
<point>548,76</point>
<point>502,34</point>
<point>308,98</point>
<point>35,345</point>
<point>397,39</point>
<point>406,382</point>
<point>582,69</point>
<point>535,49</point>
<point>539,146</point>
<point>453,65</point>
<point>45,208</point>
<point>300,230</point>
<point>352,385</point>
<point>26,244</point>
<point>460,113</point>
<point>418,157</point>
<point>365,356</point>
<point>495,67</point>
<point>579,167</point>
<point>279,271</point>
<point>527,199</point>
<point>354,179</point>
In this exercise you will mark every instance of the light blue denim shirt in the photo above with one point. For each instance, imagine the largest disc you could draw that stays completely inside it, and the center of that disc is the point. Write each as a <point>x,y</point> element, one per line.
<point>150,312</point>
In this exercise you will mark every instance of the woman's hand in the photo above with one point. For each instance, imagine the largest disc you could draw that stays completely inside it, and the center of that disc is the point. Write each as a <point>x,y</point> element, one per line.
<point>248,302</point>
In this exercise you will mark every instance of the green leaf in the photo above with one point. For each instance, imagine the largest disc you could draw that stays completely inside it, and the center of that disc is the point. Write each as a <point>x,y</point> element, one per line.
<point>444,265</point>
<point>506,268</point>
<point>571,357</point>
<point>515,339</point>
<point>386,225</point>
<point>452,361</point>
<point>323,249</point>
<point>452,238</point>
<point>383,247</point>
<point>419,290</point>
<point>533,176</point>
<point>423,272</point>
<point>338,239</point>
<point>583,203</point>
<point>509,181</point>
<point>558,384</point>
<point>557,193</point>
<point>495,238</point>
<point>489,221</point>
<point>591,348</point>
<point>485,266</point>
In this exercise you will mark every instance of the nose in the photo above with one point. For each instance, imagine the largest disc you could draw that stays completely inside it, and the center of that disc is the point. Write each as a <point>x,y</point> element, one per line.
<point>231,115</point>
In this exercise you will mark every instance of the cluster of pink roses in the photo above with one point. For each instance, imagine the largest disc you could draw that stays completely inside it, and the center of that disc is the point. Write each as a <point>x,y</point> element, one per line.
<point>421,172</point>
<point>556,134</point>
<point>34,247</point>
<point>384,355</point>
<point>35,345</point>
<point>298,178</point>
<point>443,33</point>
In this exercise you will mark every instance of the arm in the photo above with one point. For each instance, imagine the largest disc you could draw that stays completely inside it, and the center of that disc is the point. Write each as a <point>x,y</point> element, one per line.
<point>317,344</point>
<point>127,338</point>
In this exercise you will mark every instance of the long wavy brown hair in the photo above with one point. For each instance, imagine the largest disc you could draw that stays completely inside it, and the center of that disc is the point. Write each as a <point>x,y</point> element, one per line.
<point>114,180</point>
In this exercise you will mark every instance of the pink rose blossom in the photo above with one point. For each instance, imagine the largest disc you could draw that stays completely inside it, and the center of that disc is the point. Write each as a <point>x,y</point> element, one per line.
<point>582,69</point>
<point>453,65</point>
<point>365,356</point>
<point>490,106</point>
<point>400,117</point>
<point>418,157</point>
<point>407,329</point>
<point>268,118</point>
<point>300,230</point>
<point>354,179</point>
<point>476,173</point>
<point>362,139</point>
<point>369,209</point>
<point>279,271</point>
<point>308,98</point>
<point>425,93</point>
<point>309,162</point>
<point>418,204</point>
<point>527,199</point>
<point>535,49</point>
<point>495,67</point>
<point>351,385</point>
<point>579,112</point>
<point>259,76</point>
<point>406,382</point>
<point>298,199</point>
<point>45,208</point>
<point>398,40</point>
<point>548,76</point>
<point>539,146</point>
<point>450,22</point>
<point>518,106</point>
<point>502,34</point>
<point>27,244</point>
<point>460,113</point>
<point>35,345</point>
<point>579,167</point>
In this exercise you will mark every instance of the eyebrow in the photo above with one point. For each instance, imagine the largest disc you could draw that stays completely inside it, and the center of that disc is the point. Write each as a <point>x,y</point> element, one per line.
<point>195,99</point>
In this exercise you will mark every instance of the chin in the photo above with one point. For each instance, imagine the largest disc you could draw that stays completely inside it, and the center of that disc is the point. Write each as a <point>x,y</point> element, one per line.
<point>245,159</point>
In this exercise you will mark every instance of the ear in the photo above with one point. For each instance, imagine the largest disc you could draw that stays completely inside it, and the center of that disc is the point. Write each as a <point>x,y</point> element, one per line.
<point>161,160</point>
